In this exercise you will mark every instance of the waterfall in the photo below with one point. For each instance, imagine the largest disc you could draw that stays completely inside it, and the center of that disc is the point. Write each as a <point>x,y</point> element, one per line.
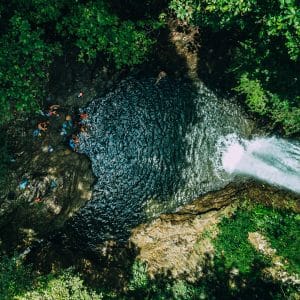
<point>152,148</point>
<point>273,160</point>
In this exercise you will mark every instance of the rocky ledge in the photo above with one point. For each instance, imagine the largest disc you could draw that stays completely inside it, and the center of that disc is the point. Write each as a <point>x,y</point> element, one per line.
<point>177,244</point>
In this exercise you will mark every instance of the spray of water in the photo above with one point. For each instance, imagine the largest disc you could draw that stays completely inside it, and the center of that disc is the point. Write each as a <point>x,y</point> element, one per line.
<point>272,160</point>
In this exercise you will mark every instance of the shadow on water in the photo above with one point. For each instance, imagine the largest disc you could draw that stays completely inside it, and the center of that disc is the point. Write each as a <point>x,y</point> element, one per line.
<point>139,132</point>
<point>137,146</point>
<point>152,145</point>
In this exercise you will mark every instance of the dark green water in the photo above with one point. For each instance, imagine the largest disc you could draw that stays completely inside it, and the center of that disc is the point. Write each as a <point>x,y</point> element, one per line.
<point>153,148</point>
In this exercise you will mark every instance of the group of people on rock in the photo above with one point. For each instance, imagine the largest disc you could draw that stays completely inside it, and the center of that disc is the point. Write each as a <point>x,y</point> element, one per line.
<point>72,125</point>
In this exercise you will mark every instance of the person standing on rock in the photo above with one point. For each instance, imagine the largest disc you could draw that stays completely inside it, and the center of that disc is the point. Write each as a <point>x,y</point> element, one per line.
<point>73,143</point>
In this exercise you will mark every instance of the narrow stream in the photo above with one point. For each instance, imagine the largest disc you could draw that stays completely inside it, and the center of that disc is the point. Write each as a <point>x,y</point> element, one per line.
<point>153,148</point>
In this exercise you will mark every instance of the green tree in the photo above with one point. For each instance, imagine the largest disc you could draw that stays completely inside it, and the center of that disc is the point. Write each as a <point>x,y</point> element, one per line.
<point>64,286</point>
<point>24,59</point>
<point>265,61</point>
<point>95,29</point>
<point>19,282</point>
<point>34,32</point>
<point>14,277</point>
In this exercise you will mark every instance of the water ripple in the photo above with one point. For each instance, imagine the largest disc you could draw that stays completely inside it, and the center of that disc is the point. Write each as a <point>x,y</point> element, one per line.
<point>153,148</point>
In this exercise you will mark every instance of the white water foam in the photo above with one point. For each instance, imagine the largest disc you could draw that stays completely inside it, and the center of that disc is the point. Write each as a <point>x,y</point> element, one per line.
<point>273,160</point>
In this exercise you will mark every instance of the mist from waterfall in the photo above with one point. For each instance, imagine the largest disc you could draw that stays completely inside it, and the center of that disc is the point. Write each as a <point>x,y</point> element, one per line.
<point>273,160</point>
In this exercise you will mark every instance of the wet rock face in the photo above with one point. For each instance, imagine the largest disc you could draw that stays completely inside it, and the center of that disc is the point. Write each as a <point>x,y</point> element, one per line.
<point>153,147</point>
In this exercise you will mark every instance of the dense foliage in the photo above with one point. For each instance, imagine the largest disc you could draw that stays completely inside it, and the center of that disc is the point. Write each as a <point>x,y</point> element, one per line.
<point>232,244</point>
<point>264,61</point>
<point>283,232</point>
<point>237,268</point>
<point>96,29</point>
<point>24,58</point>
<point>14,278</point>
<point>235,272</point>
<point>280,227</point>
<point>18,282</point>
<point>5,160</point>
<point>266,56</point>
<point>35,32</point>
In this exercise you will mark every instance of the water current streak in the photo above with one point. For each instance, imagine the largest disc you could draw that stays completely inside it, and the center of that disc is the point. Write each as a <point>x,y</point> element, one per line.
<point>272,160</point>
<point>152,148</point>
